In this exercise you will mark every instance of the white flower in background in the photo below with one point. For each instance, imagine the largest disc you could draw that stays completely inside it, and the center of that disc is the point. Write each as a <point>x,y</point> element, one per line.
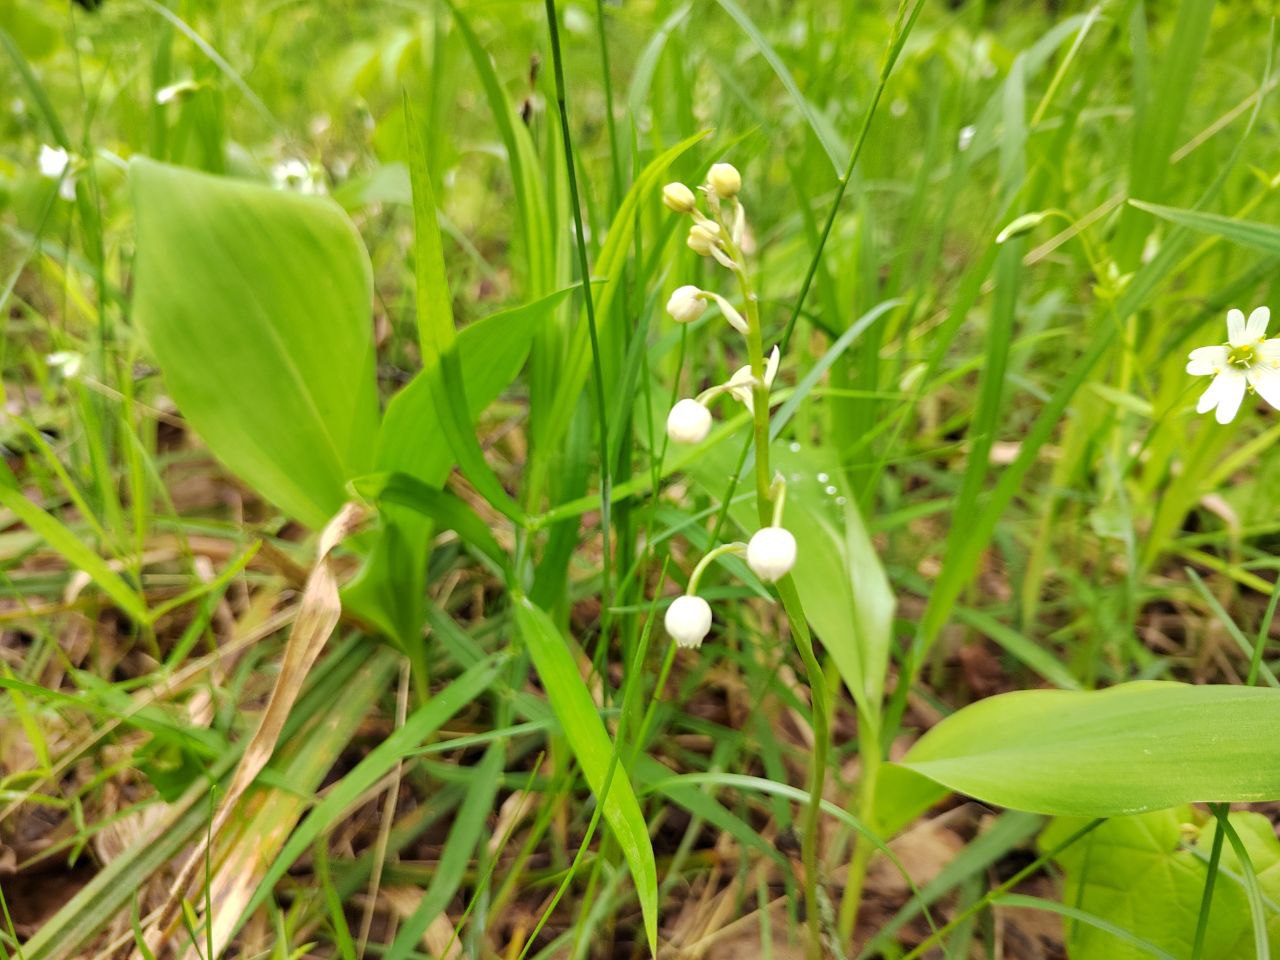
<point>1247,361</point>
<point>771,553</point>
<point>741,382</point>
<point>688,422</point>
<point>688,621</point>
<point>296,175</point>
<point>66,362</point>
<point>686,304</point>
<point>176,92</point>
<point>679,198</point>
<point>964,139</point>
<point>724,179</point>
<point>54,163</point>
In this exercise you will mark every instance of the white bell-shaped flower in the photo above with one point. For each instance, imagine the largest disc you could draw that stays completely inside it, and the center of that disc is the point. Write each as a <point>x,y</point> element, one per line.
<point>688,621</point>
<point>771,553</point>
<point>701,240</point>
<point>686,304</point>
<point>688,422</point>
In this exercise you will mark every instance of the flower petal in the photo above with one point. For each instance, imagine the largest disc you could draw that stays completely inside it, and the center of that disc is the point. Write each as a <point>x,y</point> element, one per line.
<point>1235,327</point>
<point>1230,395</point>
<point>771,367</point>
<point>1256,327</point>
<point>1269,353</point>
<point>1205,361</point>
<point>1209,399</point>
<point>1266,380</point>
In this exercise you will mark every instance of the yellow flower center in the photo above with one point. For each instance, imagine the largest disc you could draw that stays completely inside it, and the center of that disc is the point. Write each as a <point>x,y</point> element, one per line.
<point>1242,358</point>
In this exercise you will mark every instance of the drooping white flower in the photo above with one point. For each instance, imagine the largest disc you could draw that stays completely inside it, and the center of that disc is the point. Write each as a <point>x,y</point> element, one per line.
<point>724,179</point>
<point>686,304</point>
<point>741,382</point>
<point>688,422</point>
<point>771,553</point>
<point>1247,361</point>
<point>688,621</point>
<point>679,198</point>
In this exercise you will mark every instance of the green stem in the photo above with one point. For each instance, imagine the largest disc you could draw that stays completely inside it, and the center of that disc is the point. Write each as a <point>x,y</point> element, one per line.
<point>1206,901</point>
<point>789,595</point>
<point>869,752</point>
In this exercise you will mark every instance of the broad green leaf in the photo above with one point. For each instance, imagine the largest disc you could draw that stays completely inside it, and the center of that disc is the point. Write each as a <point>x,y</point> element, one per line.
<point>74,550</point>
<point>1247,233</point>
<point>1132,748</point>
<point>256,304</point>
<point>1138,874</point>
<point>593,748</point>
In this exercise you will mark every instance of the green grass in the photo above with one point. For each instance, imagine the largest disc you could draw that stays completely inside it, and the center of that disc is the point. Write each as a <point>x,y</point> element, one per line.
<point>985,236</point>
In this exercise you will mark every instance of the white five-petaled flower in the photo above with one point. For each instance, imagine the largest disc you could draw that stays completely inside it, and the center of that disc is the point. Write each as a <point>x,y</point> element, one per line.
<point>686,304</point>
<point>688,422</point>
<point>1247,361</point>
<point>741,382</point>
<point>771,553</point>
<point>688,620</point>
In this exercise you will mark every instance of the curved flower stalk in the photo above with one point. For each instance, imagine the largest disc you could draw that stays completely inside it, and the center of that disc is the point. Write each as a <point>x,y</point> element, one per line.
<point>771,551</point>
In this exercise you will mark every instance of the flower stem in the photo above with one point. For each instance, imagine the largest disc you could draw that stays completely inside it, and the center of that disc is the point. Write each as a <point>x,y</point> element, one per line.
<point>787,592</point>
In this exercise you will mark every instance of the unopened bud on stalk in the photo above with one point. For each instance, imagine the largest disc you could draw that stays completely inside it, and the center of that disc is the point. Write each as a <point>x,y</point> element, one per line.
<point>686,304</point>
<point>688,422</point>
<point>679,198</point>
<point>688,621</point>
<point>701,239</point>
<point>724,179</point>
<point>771,553</point>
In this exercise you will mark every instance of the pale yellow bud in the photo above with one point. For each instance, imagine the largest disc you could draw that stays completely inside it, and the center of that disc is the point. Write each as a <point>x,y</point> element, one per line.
<point>679,198</point>
<point>724,179</point>
<point>701,239</point>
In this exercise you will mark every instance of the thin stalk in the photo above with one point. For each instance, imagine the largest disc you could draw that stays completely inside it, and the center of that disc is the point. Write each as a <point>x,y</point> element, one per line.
<point>869,753</point>
<point>584,268</point>
<point>1206,900</point>
<point>787,591</point>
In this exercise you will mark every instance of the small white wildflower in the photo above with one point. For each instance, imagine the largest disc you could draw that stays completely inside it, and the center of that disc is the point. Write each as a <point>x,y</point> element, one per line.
<point>741,382</point>
<point>724,179</point>
<point>296,175</point>
<point>686,304</point>
<point>964,139</point>
<point>688,621</point>
<point>52,161</point>
<point>66,362</point>
<point>688,422</point>
<point>1247,361</point>
<point>679,198</point>
<point>701,240</point>
<point>771,553</point>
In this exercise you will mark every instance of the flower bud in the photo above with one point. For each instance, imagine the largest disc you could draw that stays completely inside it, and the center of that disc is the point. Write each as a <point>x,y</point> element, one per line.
<point>686,304</point>
<point>678,197</point>
<point>688,422</point>
<point>688,621</point>
<point>771,553</point>
<point>724,179</point>
<point>701,239</point>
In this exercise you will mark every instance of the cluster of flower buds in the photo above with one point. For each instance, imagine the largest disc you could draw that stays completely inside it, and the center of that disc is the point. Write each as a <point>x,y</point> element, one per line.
<point>771,552</point>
